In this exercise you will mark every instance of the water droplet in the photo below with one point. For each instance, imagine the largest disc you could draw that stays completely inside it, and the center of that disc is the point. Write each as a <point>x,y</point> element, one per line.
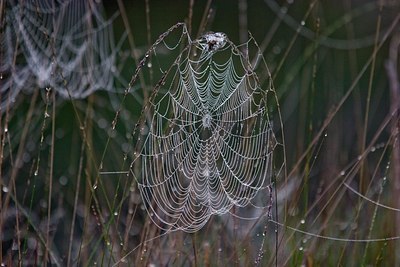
<point>303,221</point>
<point>95,186</point>
<point>219,249</point>
<point>63,180</point>
<point>115,213</point>
<point>36,173</point>
<point>276,50</point>
<point>5,189</point>
<point>301,248</point>
<point>303,23</point>
<point>342,173</point>
<point>43,203</point>
<point>5,129</point>
<point>15,245</point>
<point>149,65</point>
<point>1,78</point>
<point>383,182</point>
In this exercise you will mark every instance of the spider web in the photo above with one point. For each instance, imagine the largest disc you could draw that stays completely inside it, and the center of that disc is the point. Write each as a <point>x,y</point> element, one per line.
<point>64,45</point>
<point>206,143</point>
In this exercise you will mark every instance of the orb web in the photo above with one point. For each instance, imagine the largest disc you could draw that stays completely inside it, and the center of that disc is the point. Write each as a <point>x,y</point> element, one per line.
<point>64,45</point>
<point>206,141</point>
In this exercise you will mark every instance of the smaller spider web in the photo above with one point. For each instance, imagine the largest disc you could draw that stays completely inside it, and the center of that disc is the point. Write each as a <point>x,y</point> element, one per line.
<point>64,45</point>
<point>207,141</point>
